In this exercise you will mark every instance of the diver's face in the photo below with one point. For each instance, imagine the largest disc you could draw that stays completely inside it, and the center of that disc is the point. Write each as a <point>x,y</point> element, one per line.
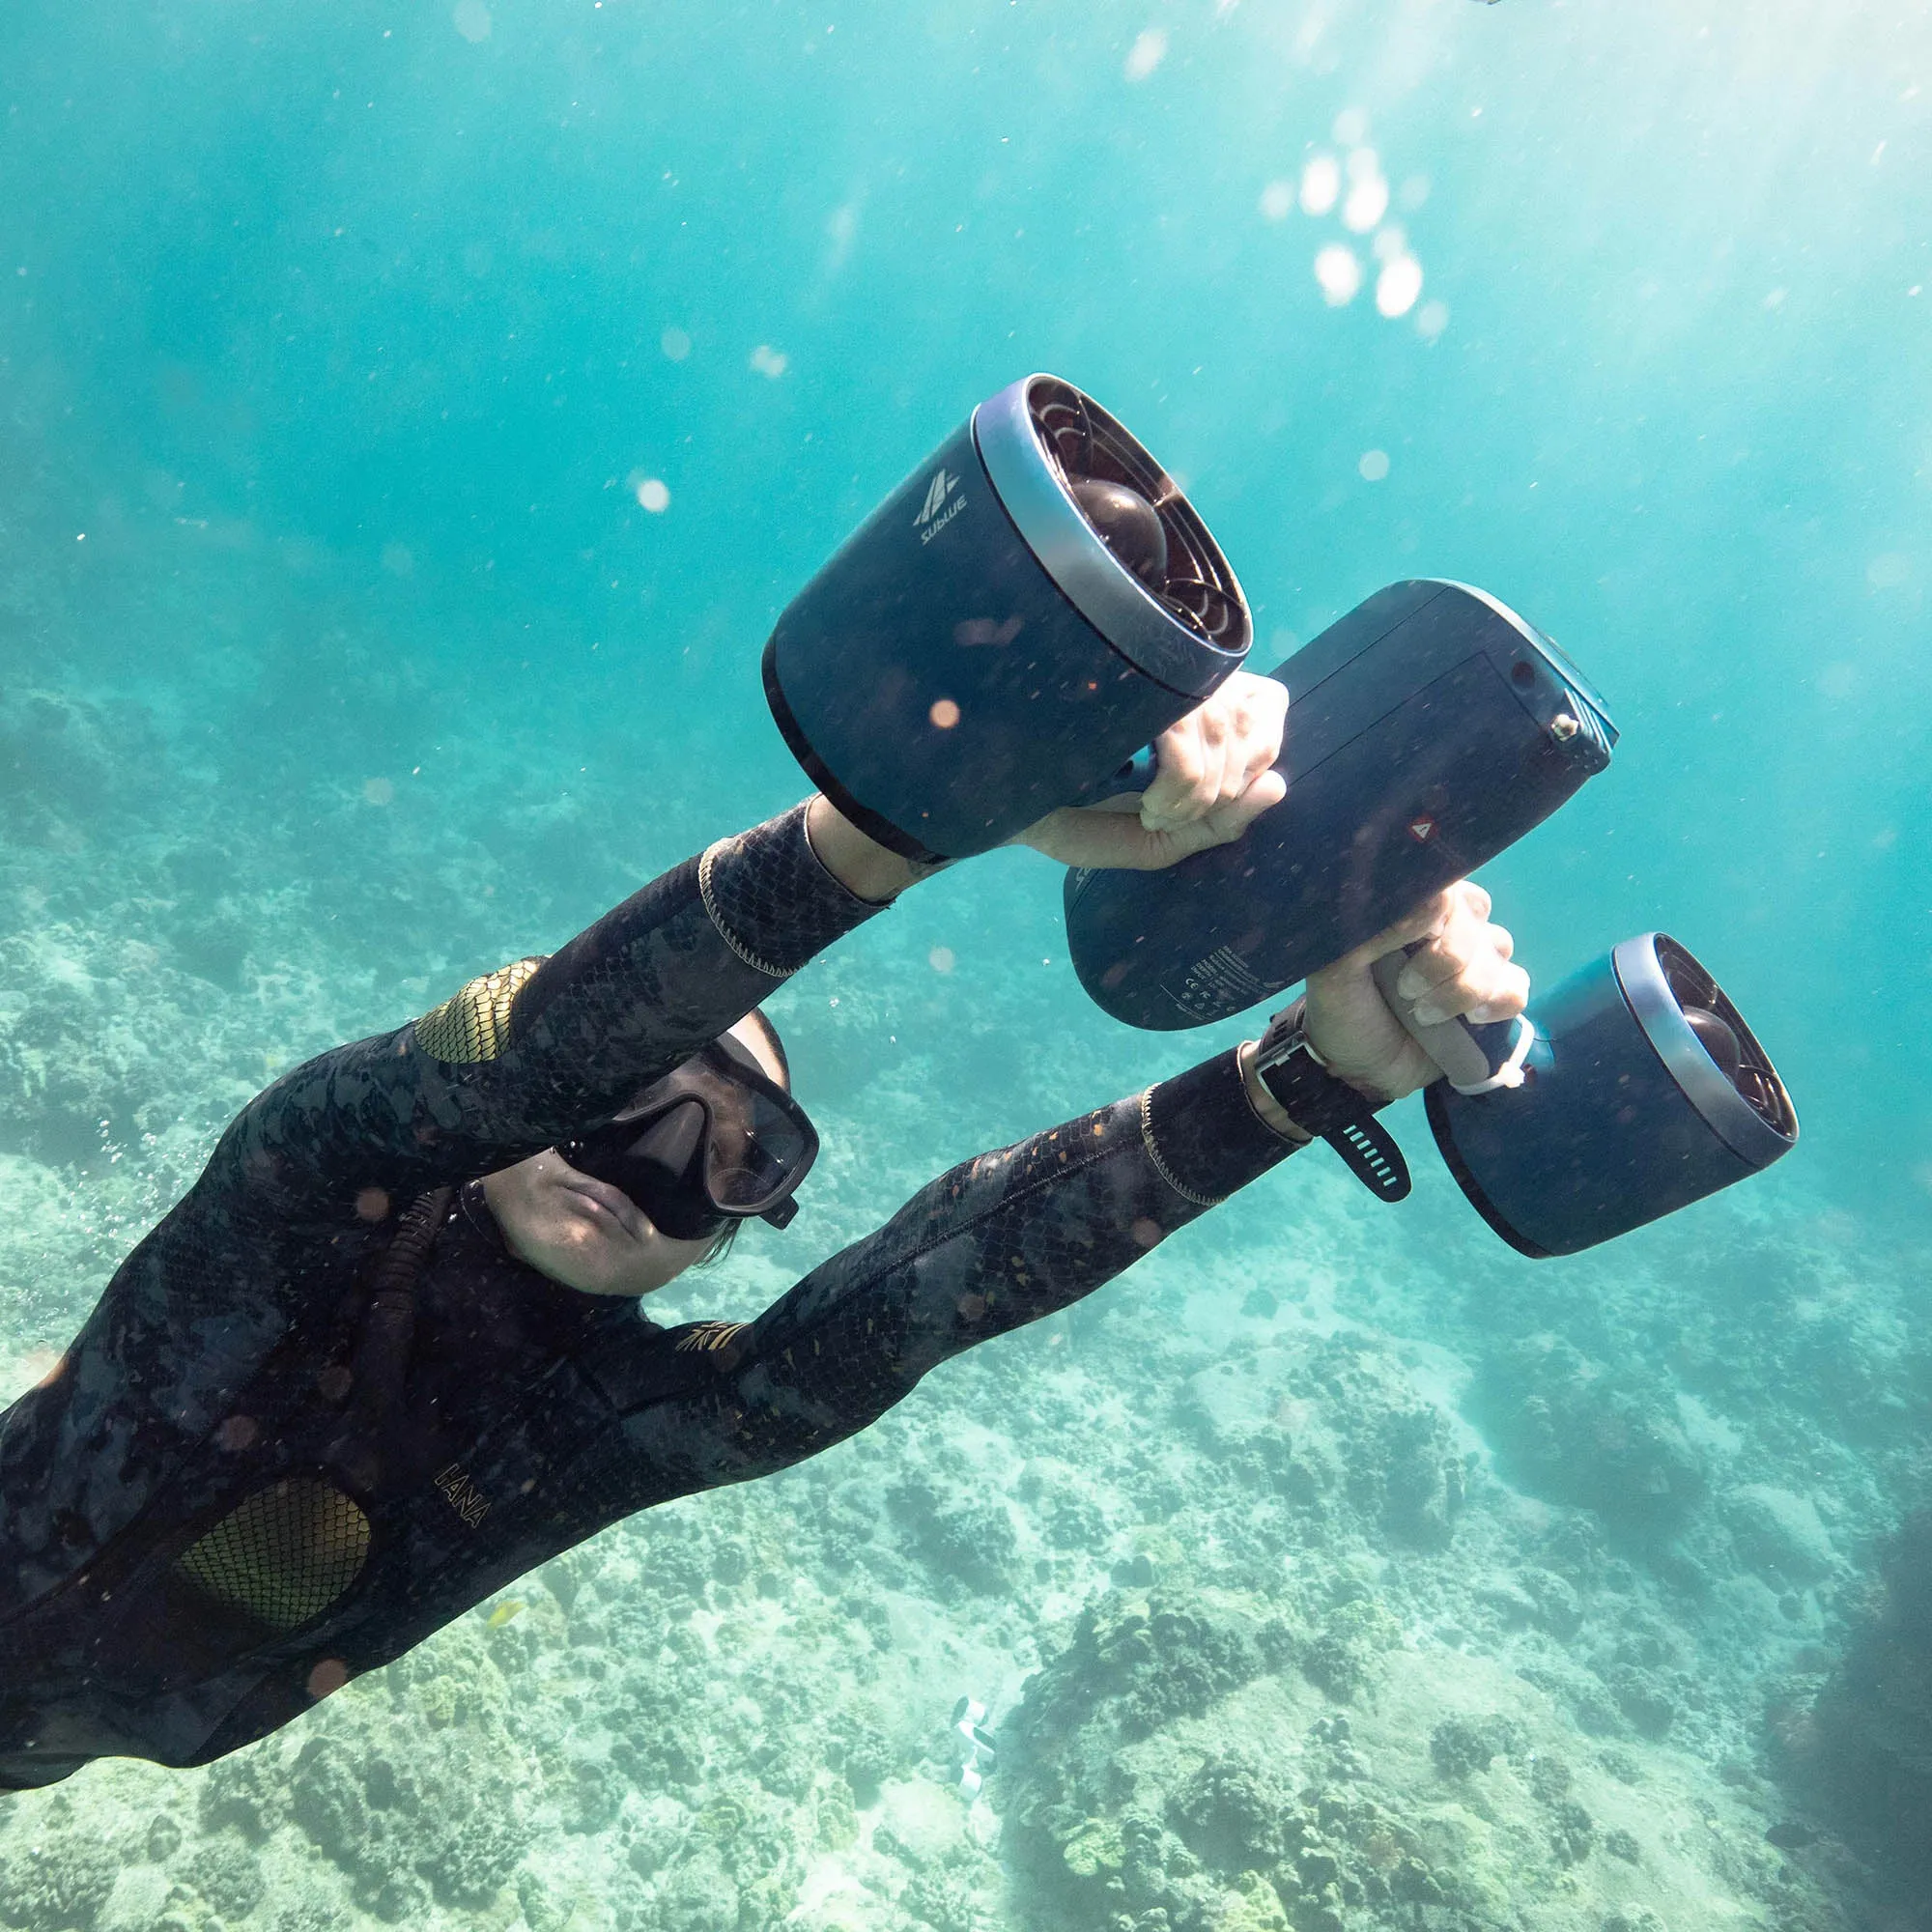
<point>587,1233</point>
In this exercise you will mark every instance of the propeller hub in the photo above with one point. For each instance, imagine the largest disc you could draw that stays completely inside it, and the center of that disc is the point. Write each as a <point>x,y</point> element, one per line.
<point>1127,523</point>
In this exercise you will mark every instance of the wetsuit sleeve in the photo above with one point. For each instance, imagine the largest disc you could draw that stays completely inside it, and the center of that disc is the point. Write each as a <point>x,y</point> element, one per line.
<point>546,1047</point>
<point>1000,1241</point>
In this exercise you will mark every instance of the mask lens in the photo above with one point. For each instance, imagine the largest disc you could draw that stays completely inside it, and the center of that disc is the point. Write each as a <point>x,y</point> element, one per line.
<point>759,1151</point>
<point>659,1167</point>
<point>714,1140</point>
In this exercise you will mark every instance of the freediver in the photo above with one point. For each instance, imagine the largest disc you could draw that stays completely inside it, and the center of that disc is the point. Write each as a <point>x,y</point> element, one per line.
<point>385,1354</point>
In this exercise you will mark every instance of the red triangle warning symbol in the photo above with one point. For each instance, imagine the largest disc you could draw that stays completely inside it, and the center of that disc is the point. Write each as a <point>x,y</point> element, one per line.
<point>1422,829</point>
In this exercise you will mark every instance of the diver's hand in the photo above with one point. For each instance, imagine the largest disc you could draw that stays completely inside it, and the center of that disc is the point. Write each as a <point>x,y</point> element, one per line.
<point>1464,972</point>
<point>1214,780</point>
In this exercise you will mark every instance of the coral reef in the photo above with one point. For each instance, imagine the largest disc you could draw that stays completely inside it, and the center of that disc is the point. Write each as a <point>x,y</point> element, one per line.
<point>59,1884</point>
<point>1604,1438</point>
<point>1325,1576</point>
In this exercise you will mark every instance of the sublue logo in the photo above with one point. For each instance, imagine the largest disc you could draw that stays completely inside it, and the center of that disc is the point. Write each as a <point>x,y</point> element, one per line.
<point>942,483</point>
<point>936,512</point>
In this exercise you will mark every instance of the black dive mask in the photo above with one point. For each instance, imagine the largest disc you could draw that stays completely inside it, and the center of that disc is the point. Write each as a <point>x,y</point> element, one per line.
<point>716,1140</point>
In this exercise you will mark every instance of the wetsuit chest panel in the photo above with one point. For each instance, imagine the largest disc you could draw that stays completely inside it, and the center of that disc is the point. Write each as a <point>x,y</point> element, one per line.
<point>283,1555</point>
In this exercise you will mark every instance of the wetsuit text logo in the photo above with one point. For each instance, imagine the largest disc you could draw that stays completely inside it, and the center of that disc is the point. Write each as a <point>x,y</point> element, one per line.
<point>936,512</point>
<point>464,1498</point>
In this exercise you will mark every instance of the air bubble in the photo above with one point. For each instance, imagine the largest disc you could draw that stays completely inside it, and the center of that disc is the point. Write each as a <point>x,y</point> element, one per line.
<point>1321,184</point>
<point>1146,53</point>
<point>1367,203</point>
<point>1398,286</point>
<point>1339,274</point>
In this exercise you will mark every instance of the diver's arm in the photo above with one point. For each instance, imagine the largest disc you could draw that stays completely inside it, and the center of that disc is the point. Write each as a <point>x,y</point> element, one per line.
<point>544,1047</point>
<point>1027,1230</point>
<point>999,1241</point>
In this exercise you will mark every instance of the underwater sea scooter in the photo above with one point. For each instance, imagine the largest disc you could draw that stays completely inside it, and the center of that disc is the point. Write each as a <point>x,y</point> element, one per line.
<point>1036,601</point>
<point>1427,731</point>
<point>1631,1091</point>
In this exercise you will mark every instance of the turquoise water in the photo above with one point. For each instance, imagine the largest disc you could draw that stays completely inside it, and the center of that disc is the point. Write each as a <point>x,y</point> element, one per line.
<point>344,353</point>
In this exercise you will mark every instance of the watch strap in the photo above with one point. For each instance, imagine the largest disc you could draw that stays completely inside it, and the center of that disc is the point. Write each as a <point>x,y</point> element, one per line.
<point>1328,1108</point>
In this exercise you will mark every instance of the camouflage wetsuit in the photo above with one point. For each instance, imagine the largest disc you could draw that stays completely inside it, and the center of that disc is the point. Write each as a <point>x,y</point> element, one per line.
<point>239,1488</point>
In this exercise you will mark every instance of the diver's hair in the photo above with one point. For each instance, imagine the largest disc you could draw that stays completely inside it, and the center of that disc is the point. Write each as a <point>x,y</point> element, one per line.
<point>720,1244</point>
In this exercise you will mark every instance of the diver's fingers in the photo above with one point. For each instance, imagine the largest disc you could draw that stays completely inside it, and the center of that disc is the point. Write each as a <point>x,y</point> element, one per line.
<point>1463,966</point>
<point>1421,920</point>
<point>1262,719</point>
<point>1191,757</point>
<point>1180,766</point>
<point>1507,1002</point>
<point>1488,988</point>
<point>1233,816</point>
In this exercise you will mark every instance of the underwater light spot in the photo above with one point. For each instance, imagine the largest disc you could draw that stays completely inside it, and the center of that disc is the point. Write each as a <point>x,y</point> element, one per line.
<point>769,361</point>
<point>1398,286</point>
<point>944,713</point>
<point>973,631</point>
<point>1888,570</point>
<point>1838,682</point>
<point>941,959</point>
<point>1389,242</point>
<point>398,560</point>
<point>1146,1232</point>
<point>472,20</point>
<point>676,344</point>
<point>327,1677</point>
<point>1352,127</point>
<point>1148,50</point>
<point>1374,466</point>
<point>1277,200</point>
<point>372,1204</point>
<point>378,791</point>
<point>238,1433</point>
<point>1321,184</point>
<point>1339,274</point>
<point>654,496</point>
<point>1432,319</point>
<point>1367,203</point>
<point>1412,194</point>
